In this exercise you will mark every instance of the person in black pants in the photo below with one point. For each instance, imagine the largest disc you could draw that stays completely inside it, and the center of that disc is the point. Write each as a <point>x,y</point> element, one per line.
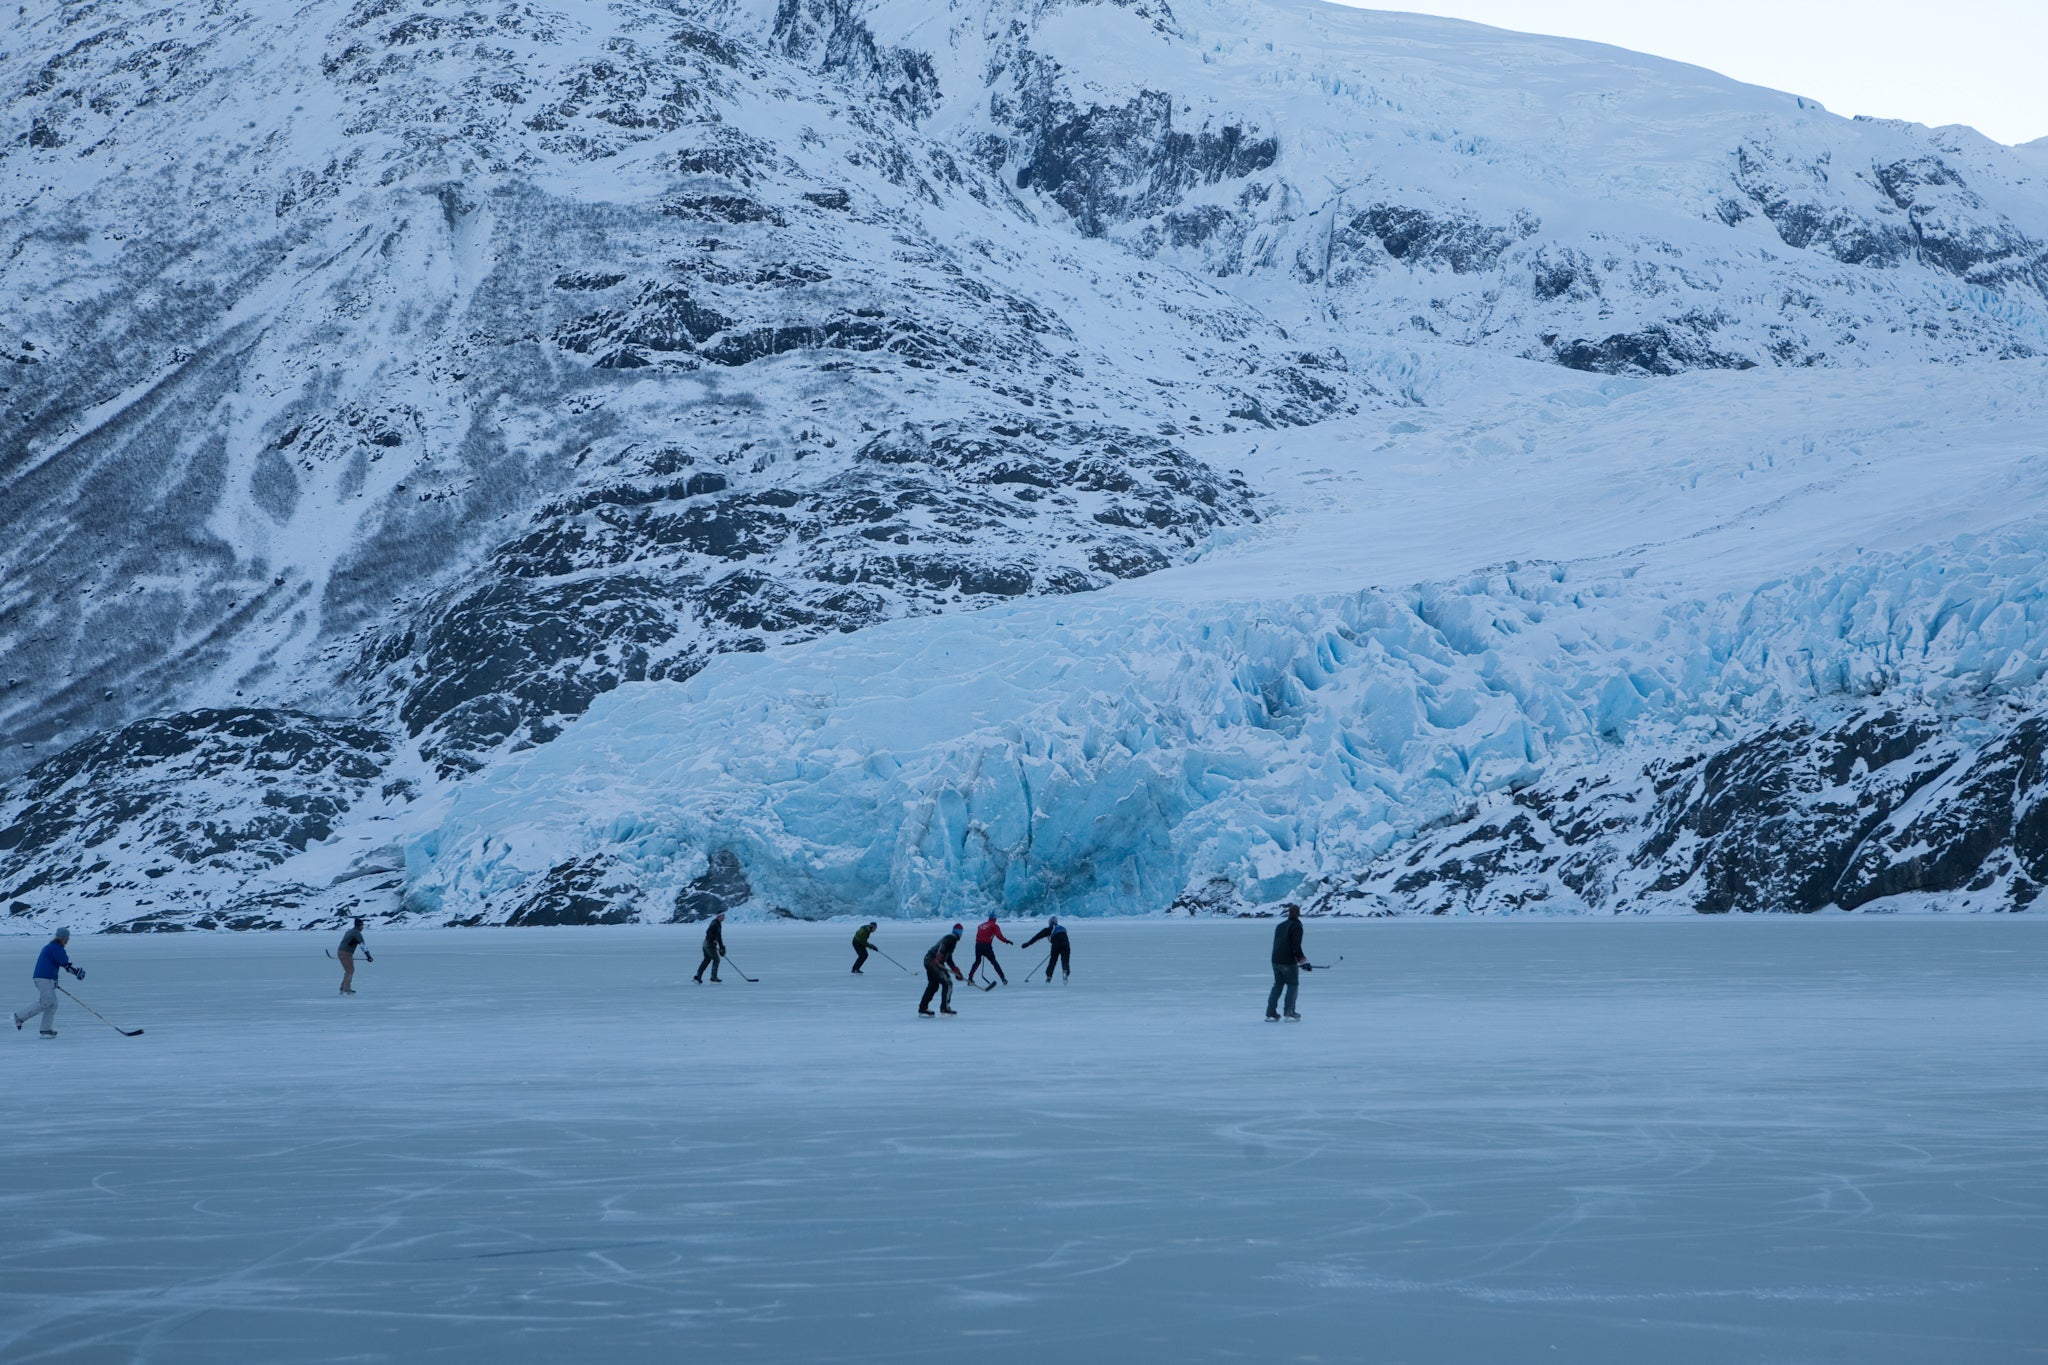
<point>1288,963</point>
<point>1060,955</point>
<point>985,936</point>
<point>938,960</point>
<point>714,948</point>
<point>860,944</point>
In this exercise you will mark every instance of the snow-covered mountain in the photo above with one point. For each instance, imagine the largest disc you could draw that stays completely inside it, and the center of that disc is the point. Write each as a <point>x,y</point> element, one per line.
<point>562,463</point>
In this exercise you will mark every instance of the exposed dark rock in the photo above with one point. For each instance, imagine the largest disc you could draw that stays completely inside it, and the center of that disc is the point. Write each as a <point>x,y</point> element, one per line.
<point>1963,827</point>
<point>1107,166</point>
<point>1215,897</point>
<point>1791,197</point>
<point>518,659</point>
<point>661,318</point>
<point>649,574</point>
<point>1771,822</point>
<point>1658,349</point>
<point>721,888</point>
<point>1794,818</point>
<point>232,791</point>
<point>1566,274</point>
<point>720,208</point>
<point>1924,210</point>
<point>1418,237</point>
<point>583,892</point>
<point>1952,230</point>
<point>829,36</point>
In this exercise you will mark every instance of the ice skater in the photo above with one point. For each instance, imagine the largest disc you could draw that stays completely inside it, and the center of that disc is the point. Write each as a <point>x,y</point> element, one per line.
<point>49,962</point>
<point>985,935</point>
<point>1058,955</point>
<point>938,960</point>
<point>351,941</point>
<point>1288,963</point>
<point>860,943</point>
<point>714,948</point>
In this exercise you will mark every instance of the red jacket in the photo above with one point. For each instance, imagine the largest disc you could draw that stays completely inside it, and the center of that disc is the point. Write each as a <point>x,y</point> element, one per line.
<point>988,930</point>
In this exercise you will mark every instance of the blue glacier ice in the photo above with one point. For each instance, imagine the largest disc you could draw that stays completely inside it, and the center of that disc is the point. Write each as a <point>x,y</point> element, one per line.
<point>1108,755</point>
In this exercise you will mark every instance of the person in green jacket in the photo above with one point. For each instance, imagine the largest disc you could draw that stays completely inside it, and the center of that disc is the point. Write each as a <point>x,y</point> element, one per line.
<point>860,943</point>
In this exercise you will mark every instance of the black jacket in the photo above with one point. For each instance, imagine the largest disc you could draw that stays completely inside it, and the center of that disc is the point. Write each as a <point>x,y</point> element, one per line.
<point>940,955</point>
<point>1287,942</point>
<point>714,938</point>
<point>1054,932</point>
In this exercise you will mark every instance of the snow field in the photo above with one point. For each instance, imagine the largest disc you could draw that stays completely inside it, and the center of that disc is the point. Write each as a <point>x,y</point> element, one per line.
<point>1693,1140</point>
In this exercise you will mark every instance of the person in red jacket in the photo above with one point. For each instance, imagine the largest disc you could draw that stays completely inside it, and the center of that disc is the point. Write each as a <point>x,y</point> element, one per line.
<point>985,936</point>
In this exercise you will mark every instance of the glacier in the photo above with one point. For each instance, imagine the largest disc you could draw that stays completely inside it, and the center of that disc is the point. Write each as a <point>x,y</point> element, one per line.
<point>1216,736</point>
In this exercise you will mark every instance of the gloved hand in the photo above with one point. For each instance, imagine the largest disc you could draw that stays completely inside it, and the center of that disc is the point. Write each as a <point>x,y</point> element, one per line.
<point>78,972</point>
<point>1308,966</point>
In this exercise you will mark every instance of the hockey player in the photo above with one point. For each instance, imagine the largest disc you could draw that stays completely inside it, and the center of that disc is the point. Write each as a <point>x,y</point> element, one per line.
<point>938,960</point>
<point>860,944</point>
<point>1060,955</point>
<point>714,948</point>
<point>351,941</point>
<point>49,962</point>
<point>985,935</point>
<point>1288,963</point>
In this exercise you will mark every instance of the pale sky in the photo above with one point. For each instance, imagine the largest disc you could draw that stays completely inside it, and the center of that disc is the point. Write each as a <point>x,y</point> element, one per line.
<point>1980,62</point>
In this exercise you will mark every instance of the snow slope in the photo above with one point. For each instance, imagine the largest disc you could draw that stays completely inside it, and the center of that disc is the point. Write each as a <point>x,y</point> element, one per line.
<point>839,457</point>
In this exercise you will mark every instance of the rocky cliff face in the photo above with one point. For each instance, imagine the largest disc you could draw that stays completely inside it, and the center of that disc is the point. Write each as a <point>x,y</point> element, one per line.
<point>1876,809</point>
<point>400,376</point>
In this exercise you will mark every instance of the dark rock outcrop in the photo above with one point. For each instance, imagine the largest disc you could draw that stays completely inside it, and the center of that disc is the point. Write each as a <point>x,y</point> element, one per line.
<point>586,891</point>
<point>227,792</point>
<point>1849,814</point>
<point>1107,166</point>
<point>720,889</point>
<point>668,561</point>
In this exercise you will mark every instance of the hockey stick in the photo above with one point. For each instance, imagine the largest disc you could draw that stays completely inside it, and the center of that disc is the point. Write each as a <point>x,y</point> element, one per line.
<point>743,975</point>
<point>124,1032</point>
<point>1322,966</point>
<point>332,958</point>
<point>886,958</point>
<point>1041,962</point>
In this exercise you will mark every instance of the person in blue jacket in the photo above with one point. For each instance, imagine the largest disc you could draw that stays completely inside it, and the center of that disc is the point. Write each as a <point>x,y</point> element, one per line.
<point>52,960</point>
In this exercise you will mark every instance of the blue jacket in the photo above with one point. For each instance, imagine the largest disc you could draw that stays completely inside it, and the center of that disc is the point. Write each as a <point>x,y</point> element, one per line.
<point>53,957</point>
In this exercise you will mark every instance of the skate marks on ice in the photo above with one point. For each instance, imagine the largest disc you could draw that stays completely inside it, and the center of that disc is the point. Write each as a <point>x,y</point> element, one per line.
<point>1686,1141</point>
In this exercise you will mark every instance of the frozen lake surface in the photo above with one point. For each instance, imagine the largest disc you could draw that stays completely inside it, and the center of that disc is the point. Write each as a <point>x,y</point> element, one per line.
<point>1489,1141</point>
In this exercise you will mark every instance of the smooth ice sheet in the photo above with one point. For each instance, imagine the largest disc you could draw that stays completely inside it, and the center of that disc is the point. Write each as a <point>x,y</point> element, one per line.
<point>1489,1141</point>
